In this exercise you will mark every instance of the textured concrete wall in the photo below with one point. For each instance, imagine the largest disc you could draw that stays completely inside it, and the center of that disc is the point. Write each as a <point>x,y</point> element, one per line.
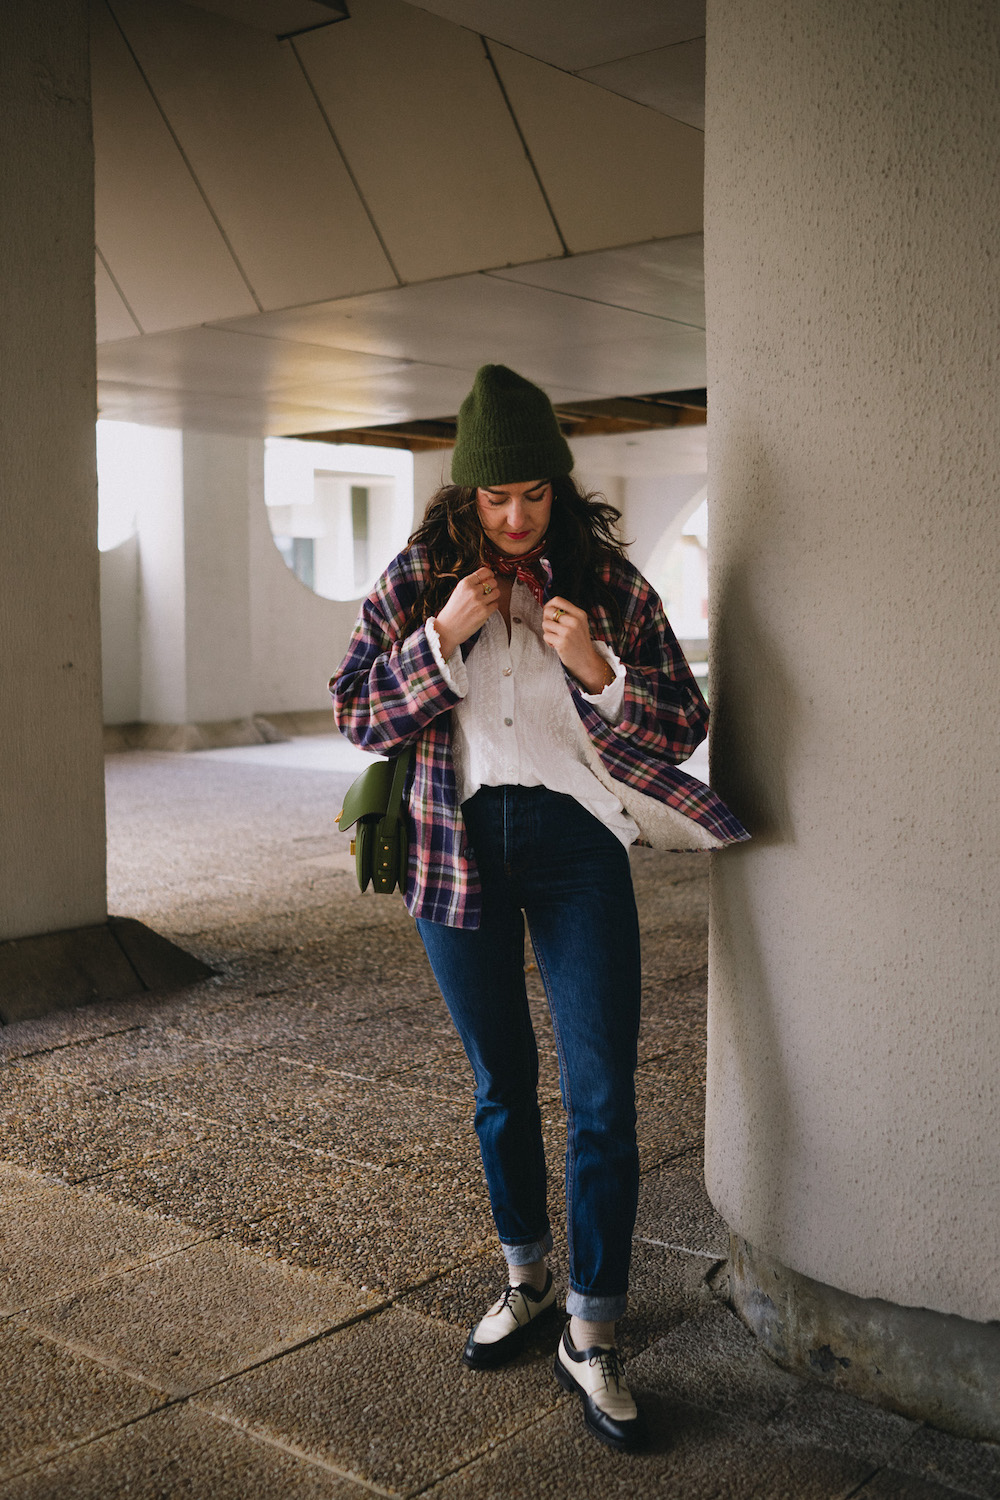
<point>52,785</point>
<point>853,302</point>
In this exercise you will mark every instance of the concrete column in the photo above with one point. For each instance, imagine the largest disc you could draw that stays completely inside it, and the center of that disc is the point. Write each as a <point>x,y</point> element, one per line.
<point>52,849</point>
<point>854,440</point>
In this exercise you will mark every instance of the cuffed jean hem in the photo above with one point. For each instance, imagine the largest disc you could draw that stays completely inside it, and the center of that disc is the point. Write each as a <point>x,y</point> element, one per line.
<point>525,1255</point>
<point>595,1309</point>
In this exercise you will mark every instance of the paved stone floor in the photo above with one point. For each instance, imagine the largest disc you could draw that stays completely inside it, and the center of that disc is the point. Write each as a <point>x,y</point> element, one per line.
<point>244,1230</point>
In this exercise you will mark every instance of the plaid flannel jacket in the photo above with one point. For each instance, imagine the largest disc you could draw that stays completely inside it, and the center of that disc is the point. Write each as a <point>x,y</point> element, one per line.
<point>388,693</point>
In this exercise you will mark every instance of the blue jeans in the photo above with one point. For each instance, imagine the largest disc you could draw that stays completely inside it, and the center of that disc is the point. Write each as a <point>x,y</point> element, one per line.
<point>541,854</point>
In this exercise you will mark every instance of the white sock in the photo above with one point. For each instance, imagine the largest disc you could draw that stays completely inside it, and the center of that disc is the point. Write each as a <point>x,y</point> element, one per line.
<point>534,1274</point>
<point>584,1335</point>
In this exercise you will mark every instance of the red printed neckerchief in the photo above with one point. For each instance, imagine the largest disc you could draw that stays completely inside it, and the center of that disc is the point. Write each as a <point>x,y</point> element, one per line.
<point>523,567</point>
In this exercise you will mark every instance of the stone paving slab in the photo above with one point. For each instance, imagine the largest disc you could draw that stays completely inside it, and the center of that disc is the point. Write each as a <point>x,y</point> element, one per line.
<point>711,1360</point>
<point>670,1103</point>
<point>61,1240</point>
<point>889,1484</point>
<point>117,1062</point>
<point>347,1118</point>
<point>179,1452</point>
<point>227,1180</point>
<point>201,1314</point>
<point>386,1401</point>
<point>102,1018</point>
<point>393,1050</point>
<point>386,1230</point>
<point>17,1183</point>
<point>75,1131</point>
<point>281,1012</point>
<point>693,1455</point>
<point>844,1424</point>
<point>939,1457</point>
<point>51,1398</point>
<point>664,1290</point>
<point>675,1209</point>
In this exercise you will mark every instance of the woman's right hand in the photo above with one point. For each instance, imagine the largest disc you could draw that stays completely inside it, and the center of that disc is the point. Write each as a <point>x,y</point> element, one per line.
<point>469,606</point>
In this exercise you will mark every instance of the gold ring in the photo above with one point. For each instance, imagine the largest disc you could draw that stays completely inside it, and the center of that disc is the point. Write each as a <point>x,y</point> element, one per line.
<point>487,588</point>
<point>558,613</point>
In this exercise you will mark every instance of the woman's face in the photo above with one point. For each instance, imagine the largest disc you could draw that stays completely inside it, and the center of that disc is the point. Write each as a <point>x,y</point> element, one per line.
<point>515,517</point>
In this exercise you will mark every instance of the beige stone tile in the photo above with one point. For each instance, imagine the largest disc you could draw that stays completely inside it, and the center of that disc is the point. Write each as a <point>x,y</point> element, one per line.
<point>387,1401</point>
<point>675,1209</point>
<point>51,1398</point>
<point>199,1315</point>
<point>711,1360</point>
<point>131,1057</point>
<point>17,1183</point>
<point>61,1240</point>
<point>179,1452</point>
<point>890,1484</point>
<point>692,1455</point>
<point>353,1120</point>
<point>389,1230</point>
<point>670,1103</point>
<point>76,1131</point>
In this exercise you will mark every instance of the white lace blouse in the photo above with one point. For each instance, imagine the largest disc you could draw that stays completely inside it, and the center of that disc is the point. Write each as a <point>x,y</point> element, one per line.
<point>516,724</point>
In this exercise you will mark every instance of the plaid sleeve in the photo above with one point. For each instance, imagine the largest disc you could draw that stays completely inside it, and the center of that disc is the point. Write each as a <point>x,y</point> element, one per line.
<point>663,714</point>
<point>388,689</point>
<point>664,710</point>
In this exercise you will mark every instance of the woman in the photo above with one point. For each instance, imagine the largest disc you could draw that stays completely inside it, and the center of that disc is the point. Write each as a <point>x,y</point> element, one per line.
<point>514,643</point>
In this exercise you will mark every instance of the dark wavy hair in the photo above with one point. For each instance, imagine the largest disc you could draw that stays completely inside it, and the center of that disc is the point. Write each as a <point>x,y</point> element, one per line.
<point>581,536</point>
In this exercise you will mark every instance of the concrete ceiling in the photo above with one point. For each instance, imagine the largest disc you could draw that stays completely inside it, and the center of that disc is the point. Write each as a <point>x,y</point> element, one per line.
<point>279,17</point>
<point>334,230</point>
<point>652,51</point>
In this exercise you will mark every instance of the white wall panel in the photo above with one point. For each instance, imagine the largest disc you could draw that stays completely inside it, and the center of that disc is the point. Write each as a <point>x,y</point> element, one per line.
<point>259,147</point>
<point>424,127</point>
<point>152,225</point>
<point>614,171</point>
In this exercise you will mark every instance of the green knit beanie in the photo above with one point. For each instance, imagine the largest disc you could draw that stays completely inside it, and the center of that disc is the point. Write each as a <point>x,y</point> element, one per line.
<point>507,432</point>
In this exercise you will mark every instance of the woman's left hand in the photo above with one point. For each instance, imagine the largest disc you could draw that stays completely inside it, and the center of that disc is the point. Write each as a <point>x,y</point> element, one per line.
<point>565,628</point>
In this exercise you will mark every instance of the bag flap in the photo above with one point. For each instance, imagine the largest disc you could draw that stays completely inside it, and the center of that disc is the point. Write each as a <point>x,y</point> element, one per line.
<point>368,795</point>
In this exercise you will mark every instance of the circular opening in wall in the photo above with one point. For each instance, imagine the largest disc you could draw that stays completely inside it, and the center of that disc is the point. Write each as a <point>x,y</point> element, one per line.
<point>338,513</point>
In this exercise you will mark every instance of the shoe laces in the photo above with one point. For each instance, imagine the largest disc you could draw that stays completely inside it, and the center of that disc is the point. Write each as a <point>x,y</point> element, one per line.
<point>506,1302</point>
<point>610,1364</point>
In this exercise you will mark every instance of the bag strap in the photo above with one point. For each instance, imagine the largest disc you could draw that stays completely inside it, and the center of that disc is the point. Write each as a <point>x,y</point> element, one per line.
<point>394,805</point>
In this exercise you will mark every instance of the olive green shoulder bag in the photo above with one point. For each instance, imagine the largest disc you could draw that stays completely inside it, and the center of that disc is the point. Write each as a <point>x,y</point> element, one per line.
<point>374,802</point>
